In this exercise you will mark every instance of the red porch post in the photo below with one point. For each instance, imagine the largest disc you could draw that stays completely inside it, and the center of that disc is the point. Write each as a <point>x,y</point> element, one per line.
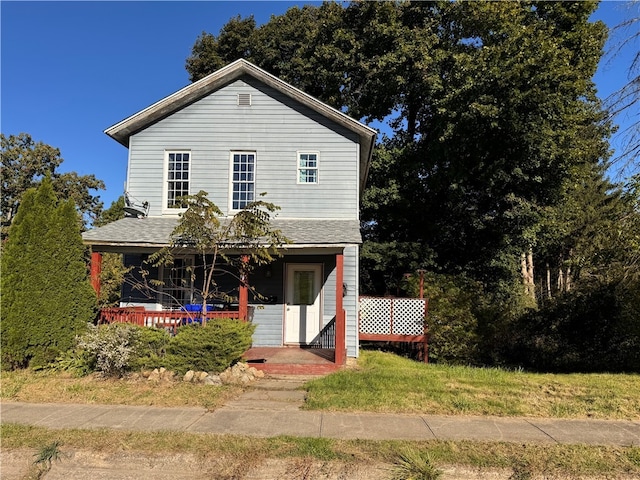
<point>96,269</point>
<point>243,297</point>
<point>340,355</point>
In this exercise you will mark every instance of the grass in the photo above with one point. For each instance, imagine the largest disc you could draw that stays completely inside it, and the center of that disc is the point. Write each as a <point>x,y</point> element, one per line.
<point>548,461</point>
<point>53,387</point>
<point>387,383</point>
<point>415,465</point>
<point>381,383</point>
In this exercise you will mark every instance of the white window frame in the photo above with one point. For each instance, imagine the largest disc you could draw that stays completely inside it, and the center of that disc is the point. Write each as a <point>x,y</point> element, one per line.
<point>299,168</point>
<point>240,180</point>
<point>165,189</point>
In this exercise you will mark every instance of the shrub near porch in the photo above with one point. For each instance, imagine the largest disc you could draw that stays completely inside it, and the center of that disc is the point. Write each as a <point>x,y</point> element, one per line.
<point>210,348</point>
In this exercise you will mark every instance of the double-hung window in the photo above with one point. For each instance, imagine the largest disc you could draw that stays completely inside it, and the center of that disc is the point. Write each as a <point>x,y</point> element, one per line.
<point>307,167</point>
<point>178,169</point>
<point>243,165</point>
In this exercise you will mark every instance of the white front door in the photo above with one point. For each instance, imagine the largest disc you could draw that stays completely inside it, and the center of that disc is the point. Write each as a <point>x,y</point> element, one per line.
<point>302,303</point>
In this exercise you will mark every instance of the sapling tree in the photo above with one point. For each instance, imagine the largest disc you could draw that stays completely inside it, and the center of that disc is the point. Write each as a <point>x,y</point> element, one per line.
<point>242,242</point>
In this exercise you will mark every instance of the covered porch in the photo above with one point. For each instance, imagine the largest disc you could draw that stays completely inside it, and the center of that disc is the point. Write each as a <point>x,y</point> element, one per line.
<point>326,353</point>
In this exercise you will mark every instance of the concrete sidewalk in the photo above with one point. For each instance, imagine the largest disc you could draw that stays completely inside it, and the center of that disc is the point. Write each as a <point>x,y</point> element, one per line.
<point>267,417</point>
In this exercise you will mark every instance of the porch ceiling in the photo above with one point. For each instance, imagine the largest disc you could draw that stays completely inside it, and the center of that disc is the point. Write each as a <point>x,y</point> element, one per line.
<point>155,232</point>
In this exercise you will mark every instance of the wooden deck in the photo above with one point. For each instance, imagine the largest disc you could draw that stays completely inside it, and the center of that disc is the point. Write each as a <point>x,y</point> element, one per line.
<point>395,320</point>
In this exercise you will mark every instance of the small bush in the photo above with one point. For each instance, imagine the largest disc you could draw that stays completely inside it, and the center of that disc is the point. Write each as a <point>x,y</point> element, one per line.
<point>111,347</point>
<point>150,348</point>
<point>211,348</point>
<point>76,361</point>
<point>415,465</point>
<point>592,329</point>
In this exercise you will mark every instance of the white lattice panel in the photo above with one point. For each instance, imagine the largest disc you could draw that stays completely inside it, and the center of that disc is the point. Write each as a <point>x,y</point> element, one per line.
<point>375,315</point>
<point>408,316</point>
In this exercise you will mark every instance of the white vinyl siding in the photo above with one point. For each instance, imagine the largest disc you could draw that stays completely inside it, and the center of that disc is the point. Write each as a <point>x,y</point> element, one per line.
<point>275,128</point>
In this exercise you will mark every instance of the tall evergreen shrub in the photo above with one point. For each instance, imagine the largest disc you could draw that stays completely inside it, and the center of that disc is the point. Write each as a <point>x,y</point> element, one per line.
<point>46,295</point>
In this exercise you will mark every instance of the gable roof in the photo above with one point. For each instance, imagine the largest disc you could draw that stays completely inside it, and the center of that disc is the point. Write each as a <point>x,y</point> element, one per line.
<point>122,131</point>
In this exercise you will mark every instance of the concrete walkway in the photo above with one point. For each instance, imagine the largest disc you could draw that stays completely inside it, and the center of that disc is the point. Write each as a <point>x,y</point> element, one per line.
<point>272,408</point>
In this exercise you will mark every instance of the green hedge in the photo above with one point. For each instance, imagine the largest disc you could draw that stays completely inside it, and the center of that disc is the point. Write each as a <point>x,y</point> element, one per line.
<point>210,348</point>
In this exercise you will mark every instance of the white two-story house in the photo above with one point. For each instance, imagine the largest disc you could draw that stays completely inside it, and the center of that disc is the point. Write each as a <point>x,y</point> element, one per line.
<point>234,134</point>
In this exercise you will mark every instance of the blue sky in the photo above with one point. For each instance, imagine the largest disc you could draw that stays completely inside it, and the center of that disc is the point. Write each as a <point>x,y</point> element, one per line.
<point>69,70</point>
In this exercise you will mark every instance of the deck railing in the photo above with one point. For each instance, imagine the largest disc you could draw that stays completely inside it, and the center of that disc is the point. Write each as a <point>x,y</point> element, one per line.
<point>327,336</point>
<point>170,319</point>
<point>384,319</point>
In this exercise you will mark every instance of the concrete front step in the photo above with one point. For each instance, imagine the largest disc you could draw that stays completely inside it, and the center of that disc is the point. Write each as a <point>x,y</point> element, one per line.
<point>279,394</point>
<point>280,384</point>
<point>297,369</point>
<point>270,405</point>
<point>275,395</point>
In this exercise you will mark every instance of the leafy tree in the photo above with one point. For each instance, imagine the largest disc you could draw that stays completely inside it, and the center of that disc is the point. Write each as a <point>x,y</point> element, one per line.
<point>587,329</point>
<point>46,295</point>
<point>454,306</point>
<point>588,236</point>
<point>244,241</point>
<point>24,164</point>
<point>492,121</point>
<point>626,100</point>
<point>210,53</point>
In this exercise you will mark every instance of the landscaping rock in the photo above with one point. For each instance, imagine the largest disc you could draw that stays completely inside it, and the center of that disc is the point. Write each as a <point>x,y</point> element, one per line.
<point>188,377</point>
<point>154,376</point>
<point>212,380</point>
<point>240,374</point>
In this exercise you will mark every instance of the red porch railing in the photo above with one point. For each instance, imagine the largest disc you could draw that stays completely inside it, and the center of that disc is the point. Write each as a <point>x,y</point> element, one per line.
<point>158,318</point>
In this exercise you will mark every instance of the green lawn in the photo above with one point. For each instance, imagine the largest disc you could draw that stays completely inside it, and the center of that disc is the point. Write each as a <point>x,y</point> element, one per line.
<point>384,382</point>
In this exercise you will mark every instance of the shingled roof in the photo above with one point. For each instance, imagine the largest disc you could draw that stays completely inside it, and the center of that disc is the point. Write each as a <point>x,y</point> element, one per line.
<point>155,232</point>
<point>123,130</point>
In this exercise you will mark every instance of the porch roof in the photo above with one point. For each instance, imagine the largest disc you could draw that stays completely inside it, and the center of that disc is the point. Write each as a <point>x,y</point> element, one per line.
<point>155,232</point>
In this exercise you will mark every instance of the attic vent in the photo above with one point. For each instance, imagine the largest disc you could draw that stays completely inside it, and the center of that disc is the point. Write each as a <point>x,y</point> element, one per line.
<point>244,99</point>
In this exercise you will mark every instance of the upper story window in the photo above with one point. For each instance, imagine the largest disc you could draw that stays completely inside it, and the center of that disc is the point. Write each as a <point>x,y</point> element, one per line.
<point>307,167</point>
<point>178,167</point>
<point>243,166</point>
